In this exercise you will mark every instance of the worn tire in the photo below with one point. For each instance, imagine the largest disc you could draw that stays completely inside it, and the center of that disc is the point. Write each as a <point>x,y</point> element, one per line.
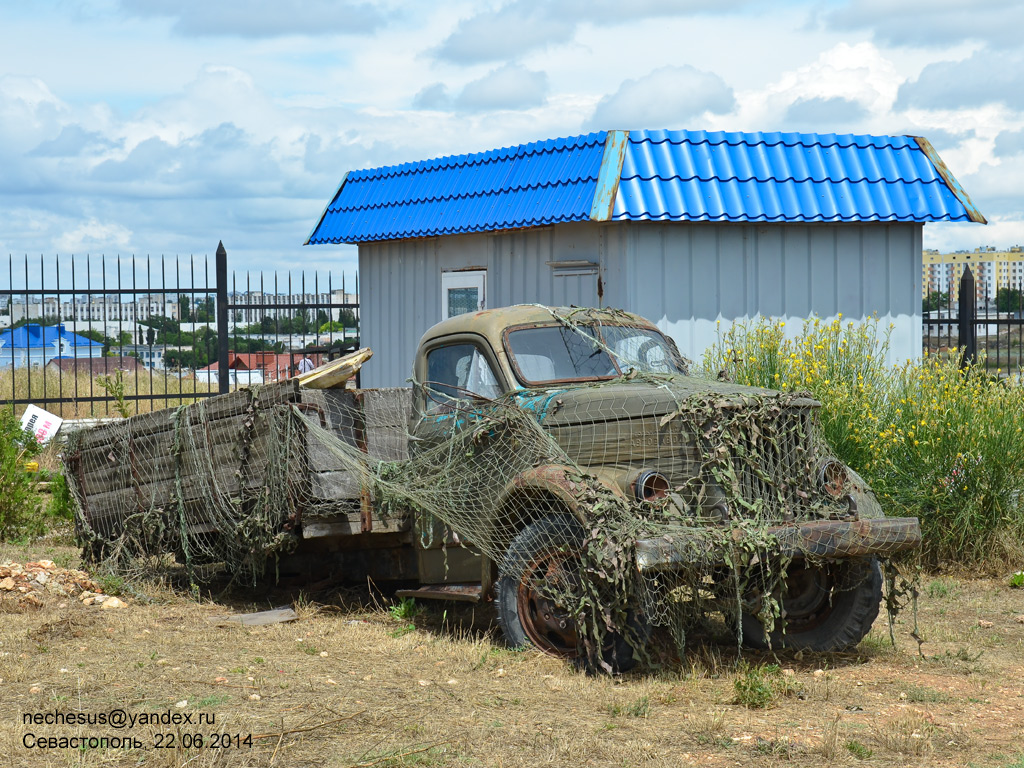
<point>834,608</point>
<point>528,618</point>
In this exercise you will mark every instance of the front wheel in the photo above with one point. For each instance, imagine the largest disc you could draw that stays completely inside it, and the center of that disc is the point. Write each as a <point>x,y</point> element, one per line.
<point>826,607</point>
<point>542,569</point>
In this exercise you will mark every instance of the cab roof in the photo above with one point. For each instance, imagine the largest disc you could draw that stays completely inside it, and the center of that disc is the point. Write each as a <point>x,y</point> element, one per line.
<point>491,322</point>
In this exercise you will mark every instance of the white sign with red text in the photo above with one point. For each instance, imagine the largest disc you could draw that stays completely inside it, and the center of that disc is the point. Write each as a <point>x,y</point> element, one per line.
<point>40,423</point>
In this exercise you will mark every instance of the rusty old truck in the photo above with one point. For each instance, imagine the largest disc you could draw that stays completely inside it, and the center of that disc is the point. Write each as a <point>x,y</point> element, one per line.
<point>324,481</point>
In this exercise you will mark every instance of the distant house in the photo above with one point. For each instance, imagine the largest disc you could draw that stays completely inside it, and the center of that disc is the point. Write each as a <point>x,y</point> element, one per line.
<point>247,368</point>
<point>149,356</point>
<point>95,366</point>
<point>36,345</point>
<point>691,229</point>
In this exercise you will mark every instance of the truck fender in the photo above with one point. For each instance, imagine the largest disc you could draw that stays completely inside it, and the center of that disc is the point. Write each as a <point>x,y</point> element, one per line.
<point>553,482</point>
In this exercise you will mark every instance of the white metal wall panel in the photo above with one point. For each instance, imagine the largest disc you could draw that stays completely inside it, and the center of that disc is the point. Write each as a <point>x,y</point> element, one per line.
<point>694,280</point>
<point>400,283</point>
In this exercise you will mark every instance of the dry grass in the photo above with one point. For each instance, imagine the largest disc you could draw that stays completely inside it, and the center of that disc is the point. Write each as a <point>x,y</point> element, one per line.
<point>24,385</point>
<point>348,685</point>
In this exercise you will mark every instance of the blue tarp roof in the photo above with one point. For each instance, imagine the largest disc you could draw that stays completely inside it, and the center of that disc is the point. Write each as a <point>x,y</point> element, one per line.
<point>650,175</point>
<point>33,336</point>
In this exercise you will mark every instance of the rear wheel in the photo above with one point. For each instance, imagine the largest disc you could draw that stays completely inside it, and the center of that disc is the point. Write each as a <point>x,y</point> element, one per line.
<point>542,568</point>
<point>826,607</point>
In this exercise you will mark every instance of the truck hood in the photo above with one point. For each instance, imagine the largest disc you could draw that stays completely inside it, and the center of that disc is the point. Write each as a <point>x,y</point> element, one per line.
<point>627,400</point>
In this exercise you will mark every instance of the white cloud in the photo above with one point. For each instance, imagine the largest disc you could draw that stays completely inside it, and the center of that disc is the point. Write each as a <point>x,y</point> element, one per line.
<point>859,74</point>
<point>987,77</point>
<point>514,28</point>
<point>931,23</point>
<point>508,87</point>
<point>262,18</point>
<point>94,236</point>
<point>668,97</point>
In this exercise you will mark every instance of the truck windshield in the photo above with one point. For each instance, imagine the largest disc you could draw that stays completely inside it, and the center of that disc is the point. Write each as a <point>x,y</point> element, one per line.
<point>558,353</point>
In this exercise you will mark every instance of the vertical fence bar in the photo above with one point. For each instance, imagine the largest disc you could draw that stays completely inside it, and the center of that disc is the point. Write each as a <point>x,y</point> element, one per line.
<point>968,320</point>
<point>222,318</point>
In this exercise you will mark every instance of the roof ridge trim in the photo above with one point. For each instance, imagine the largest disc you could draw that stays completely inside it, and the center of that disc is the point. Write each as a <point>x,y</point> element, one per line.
<point>947,176</point>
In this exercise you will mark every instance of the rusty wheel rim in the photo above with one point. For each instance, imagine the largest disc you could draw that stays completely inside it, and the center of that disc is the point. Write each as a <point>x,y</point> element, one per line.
<point>808,596</point>
<point>548,625</point>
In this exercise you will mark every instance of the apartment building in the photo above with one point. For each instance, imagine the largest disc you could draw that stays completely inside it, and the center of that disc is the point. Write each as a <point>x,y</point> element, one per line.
<point>992,269</point>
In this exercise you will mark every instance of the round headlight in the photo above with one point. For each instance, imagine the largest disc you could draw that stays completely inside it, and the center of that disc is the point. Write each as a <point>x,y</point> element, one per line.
<point>650,486</point>
<point>833,478</point>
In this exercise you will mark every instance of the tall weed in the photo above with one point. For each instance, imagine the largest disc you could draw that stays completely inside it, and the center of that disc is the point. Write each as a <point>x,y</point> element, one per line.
<point>19,502</point>
<point>934,442</point>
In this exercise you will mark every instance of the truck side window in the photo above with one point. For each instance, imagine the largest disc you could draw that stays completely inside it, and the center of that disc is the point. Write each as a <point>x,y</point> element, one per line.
<point>455,372</point>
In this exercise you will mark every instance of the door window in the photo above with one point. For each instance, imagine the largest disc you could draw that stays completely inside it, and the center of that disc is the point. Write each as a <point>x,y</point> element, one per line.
<point>458,372</point>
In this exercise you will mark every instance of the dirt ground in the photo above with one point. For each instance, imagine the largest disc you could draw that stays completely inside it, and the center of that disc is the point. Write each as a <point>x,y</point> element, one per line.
<point>351,684</point>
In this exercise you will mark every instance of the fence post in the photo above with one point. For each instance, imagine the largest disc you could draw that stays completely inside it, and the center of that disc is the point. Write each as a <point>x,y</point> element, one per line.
<point>222,319</point>
<point>968,319</point>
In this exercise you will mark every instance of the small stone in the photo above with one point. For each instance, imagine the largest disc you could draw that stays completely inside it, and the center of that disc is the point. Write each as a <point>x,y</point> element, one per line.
<point>220,679</point>
<point>34,689</point>
<point>500,672</point>
<point>1019,619</point>
<point>453,681</point>
<point>30,601</point>
<point>329,681</point>
<point>819,673</point>
<point>7,584</point>
<point>89,601</point>
<point>112,602</point>
<point>324,654</point>
<point>424,682</point>
<point>182,704</point>
<point>903,696</point>
<point>47,564</point>
<point>42,578</point>
<point>162,662</point>
<point>985,624</point>
<point>788,673</point>
<point>254,697</point>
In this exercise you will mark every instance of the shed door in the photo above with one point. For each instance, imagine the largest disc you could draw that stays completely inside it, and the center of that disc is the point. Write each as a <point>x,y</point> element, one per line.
<point>575,284</point>
<point>462,292</point>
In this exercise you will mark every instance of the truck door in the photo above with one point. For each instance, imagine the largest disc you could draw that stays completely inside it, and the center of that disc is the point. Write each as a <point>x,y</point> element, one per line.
<point>460,375</point>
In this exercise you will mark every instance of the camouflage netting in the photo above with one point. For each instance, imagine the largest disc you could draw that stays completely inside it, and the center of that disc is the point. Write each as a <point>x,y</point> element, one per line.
<point>542,481</point>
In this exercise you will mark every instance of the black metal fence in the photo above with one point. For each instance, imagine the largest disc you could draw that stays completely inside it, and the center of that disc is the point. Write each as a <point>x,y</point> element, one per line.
<point>977,322</point>
<point>84,336</point>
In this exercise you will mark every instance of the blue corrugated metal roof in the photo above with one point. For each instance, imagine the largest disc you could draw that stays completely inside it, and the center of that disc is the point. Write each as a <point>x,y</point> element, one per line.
<point>34,336</point>
<point>528,185</point>
<point>665,175</point>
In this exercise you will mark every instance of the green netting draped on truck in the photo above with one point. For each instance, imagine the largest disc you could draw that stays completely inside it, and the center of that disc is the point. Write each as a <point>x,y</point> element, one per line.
<point>646,497</point>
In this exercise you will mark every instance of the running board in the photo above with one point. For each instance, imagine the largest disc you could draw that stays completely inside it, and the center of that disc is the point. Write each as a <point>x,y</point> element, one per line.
<point>465,593</point>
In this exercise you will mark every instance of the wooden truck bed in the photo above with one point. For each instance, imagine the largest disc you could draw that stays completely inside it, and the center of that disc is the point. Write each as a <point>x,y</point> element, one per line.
<point>208,464</point>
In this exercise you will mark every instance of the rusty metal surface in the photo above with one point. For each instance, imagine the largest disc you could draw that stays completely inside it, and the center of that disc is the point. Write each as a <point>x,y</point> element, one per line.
<point>947,176</point>
<point>819,538</point>
<point>466,593</point>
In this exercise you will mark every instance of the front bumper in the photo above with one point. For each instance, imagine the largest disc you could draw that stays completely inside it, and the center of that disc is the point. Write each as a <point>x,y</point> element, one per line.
<point>816,538</point>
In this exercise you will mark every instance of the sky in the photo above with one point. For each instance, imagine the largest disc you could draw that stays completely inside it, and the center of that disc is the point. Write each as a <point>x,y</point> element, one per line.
<point>160,127</point>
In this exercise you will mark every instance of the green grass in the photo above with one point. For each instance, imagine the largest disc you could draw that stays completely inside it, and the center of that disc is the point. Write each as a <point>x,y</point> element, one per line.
<point>405,610</point>
<point>639,708</point>
<point>761,685</point>
<point>858,750</point>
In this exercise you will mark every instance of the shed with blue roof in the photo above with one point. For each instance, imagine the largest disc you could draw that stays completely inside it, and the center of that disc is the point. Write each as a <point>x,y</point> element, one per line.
<point>33,344</point>
<point>687,228</point>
